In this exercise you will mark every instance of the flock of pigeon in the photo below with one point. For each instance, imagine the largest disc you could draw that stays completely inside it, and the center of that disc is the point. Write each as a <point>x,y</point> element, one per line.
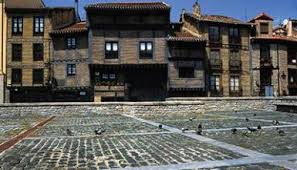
<point>100,131</point>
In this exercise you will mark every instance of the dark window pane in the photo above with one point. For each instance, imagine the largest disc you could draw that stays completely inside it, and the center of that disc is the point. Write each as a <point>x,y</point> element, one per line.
<point>71,69</point>
<point>264,28</point>
<point>38,76</point>
<point>17,26</point>
<point>38,52</point>
<point>111,50</point>
<point>145,50</point>
<point>16,52</point>
<point>186,72</point>
<point>38,25</point>
<point>214,34</point>
<point>265,51</point>
<point>71,43</point>
<point>16,76</point>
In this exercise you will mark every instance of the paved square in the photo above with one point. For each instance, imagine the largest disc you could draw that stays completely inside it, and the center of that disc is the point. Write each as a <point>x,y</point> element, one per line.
<point>137,142</point>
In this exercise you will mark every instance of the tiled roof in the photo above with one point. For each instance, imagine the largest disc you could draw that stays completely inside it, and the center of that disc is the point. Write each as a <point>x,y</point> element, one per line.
<point>218,19</point>
<point>74,28</point>
<point>25,4</point>
<point>277,38</point>
<point>185,36</point>
<point>130,6</point>
<point>262,16</point>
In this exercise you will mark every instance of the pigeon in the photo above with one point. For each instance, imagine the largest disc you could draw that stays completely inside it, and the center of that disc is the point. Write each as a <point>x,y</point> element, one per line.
<point>199,130</point>
<point>68,131</point>
<point>255,114</point>
<point>99,131</point>
<point>275,122</point>
<point>160,126</point>
<point>234,131</point>
<point>184,130</point>
<point>247,119</point>
<point>191,119</point>
<point>259,127</point>
<point>252,129</point>
<point>281,132</point>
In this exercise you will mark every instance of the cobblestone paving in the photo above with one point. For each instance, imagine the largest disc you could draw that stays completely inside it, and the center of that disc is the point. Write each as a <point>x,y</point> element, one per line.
<point>111,152</point>
<point>265,141</point>
<point>10,126</point>
<point>85,130</point>
<point>133,143</point>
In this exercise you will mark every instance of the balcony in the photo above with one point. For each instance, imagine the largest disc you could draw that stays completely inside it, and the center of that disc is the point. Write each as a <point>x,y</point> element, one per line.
<point>216,93</point>
<point>235,65</point>
<point>292,85</point>
<point>236,93</point>
<point>215,64</point>
<point>266,62</point>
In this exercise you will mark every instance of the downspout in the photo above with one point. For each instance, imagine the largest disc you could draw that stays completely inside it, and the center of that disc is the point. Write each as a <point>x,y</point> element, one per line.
<point>278,76</point>
<point>2,39</point>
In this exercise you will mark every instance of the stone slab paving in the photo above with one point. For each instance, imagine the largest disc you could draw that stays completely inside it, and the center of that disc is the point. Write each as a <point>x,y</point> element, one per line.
<point>137,143</point>
<point>261,166</point>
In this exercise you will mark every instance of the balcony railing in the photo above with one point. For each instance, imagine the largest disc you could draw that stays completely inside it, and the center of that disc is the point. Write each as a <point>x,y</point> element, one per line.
<point>235,65</point>
<point>266,62</point>
<point>236,93</point>
<point>215,64</point>
<point>216,93</point>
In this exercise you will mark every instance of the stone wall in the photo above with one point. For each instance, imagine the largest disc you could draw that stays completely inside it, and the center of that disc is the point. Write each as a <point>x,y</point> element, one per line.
<point>172,106</point>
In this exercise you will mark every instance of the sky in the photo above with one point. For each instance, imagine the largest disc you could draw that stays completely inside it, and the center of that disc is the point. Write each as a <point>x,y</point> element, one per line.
<point>240,9</point>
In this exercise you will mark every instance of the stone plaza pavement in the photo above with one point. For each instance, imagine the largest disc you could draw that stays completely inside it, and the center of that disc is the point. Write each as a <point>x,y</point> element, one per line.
<point>137,142</point>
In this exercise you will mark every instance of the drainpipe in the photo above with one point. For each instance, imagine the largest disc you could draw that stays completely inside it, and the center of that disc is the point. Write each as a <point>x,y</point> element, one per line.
<point>278,76</point>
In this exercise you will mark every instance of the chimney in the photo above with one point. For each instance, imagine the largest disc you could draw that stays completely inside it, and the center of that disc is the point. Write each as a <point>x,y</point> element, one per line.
<point>76,11</point>
<point>182,16</point>
<point>197,9</point>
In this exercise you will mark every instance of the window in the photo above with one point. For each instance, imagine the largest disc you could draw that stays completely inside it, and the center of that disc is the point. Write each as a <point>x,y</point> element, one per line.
<point>71,69</point>
<point>234,83</point>
<point>265,51</point>
<point>186,72</point>
<point>214,34</point>
<point>234,55</point>
<point>37,52</point>
<point>292,55</point>
<point>17,52</point>
<point>264,28</point>
<point>71,43</point>
<point>234,37</point>
<point>17,25</point>
<point>38,25</point>
<point>111,50</point>
<point>16,76</point>
<point>215,83</point>
<point>38,76</point>
<point>145,50</point>
<point>215,54</point>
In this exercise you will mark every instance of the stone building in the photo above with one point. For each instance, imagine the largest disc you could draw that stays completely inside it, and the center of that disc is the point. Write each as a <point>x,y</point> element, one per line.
<point>186,63</point>
<point>70,75</point>
<point>3,38</point>
<point>227,51</point>
<point>28,50</point>
<point>274,55</point>
<point>127,50</point>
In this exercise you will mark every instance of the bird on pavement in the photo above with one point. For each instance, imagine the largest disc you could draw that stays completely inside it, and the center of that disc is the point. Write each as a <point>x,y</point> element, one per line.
<point>99,131</point>
<point>252,129</point>
<point>160,126</point>
<point>234,131</point>
<point>199,129</point>
<point>259,127</point>
<point>68,131</point>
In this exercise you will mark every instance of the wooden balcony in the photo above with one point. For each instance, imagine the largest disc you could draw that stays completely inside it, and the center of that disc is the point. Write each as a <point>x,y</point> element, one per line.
<point>266,62</point>
<point>235,65</point>
<point>215,64</point>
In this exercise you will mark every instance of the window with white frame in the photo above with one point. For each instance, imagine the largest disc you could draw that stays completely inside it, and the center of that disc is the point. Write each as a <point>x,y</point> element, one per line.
<point>111,50</point>
<point>145,50</point>
<point>215,82</point>
<point>38,25</point>
<point>71,69</point>
<point>234,83</point>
